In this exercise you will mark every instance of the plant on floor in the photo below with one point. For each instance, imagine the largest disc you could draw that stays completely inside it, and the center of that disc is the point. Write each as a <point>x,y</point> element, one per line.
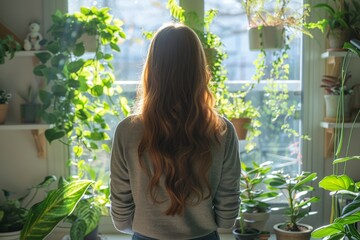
<point>15,211</point>
<point>344,190</point>
<point>57,205</point>
<point>8,47</point>
<point>255,194</point>
<point>80,91</point>
<point>294,188</point>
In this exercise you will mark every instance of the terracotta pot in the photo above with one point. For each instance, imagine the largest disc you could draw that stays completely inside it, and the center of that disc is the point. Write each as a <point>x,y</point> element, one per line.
<point>282,234</point>
<point>266,37</point>
<point>3,112</point>
<point>240,126</point>
<point>256,220</point>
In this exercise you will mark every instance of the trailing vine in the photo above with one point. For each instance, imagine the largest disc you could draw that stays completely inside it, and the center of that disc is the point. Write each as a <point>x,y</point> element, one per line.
<point>80,91</point>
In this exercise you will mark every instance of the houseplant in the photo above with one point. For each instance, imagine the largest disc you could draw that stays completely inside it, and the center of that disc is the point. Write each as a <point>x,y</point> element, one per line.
<point>30,109</point>
<point>14,211</point>
<point>57,205</point>
<point>342,188</point>
<point>4,100</point>
<point>336,24</point>
<point>79,93</point>
<point>269,24</point>
<point>8,47</point>
<point>254,194</point>
<point>334,87</point>
<point>294,188</point>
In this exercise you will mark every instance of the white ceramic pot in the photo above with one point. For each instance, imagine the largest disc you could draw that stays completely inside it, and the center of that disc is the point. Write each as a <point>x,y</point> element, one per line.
<point>331,106</point>
<point>256,220</point>
<point>10,235</point>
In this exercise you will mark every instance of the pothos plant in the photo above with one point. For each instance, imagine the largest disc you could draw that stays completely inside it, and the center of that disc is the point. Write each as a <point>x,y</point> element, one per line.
<point>342,187</point>
<point>80,91</point>
<point>228,104</point>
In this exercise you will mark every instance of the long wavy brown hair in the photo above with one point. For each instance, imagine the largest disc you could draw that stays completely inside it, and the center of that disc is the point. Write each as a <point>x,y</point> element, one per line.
<point>176,107</point>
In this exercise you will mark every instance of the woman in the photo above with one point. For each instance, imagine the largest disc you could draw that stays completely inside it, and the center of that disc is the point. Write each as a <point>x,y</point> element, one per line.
<point>175,163</point>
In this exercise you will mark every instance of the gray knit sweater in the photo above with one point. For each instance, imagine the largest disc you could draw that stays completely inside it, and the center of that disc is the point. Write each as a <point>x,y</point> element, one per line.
<point>132,209</point>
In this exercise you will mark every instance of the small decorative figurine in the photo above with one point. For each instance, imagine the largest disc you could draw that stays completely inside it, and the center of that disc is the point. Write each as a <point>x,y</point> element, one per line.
<point>33,38</point>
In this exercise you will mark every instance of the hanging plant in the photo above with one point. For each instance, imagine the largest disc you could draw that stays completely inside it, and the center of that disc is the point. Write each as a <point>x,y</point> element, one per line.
<point>80,92</point>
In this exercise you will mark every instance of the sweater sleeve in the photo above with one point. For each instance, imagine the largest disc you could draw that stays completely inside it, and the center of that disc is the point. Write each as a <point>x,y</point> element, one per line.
<point>227,197</point>
<point>121,199</point>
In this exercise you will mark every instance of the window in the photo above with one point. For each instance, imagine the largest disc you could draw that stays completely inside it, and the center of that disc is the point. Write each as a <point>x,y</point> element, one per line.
<point>231,25</point>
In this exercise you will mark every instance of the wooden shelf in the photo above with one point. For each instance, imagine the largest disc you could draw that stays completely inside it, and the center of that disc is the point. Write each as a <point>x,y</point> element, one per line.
<point>333,54</point>
<point>330,135</point>
<point>37,131</point>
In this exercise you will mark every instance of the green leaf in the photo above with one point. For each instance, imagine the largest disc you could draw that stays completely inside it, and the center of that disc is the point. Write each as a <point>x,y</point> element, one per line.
<point>46,182</point>
<point>79,49</point>
<point>307,179</point>
<point>90,212</point>
<point>345,159</point>
<point>38,70</point>
<point>52,134</point>
<point>115,47</point>
<point>327,230</point>
<point>78,229</point>
<point>57,205</point>
<point>336,183</point>
<point>75,66</point>
<point>43,56</point>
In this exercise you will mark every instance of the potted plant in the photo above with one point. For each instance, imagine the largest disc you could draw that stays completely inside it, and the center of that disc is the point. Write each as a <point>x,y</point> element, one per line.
<point>268,23</point>
<point>336,24</point>
<point>240,112</point>
<point>8,47</point>
<point>4,104</point>
<point>294,188</point>
<point>255,194</point>
<point>30,110</point>
<point>14,211</point>
<point>335,89</point>
<point>58,204</point>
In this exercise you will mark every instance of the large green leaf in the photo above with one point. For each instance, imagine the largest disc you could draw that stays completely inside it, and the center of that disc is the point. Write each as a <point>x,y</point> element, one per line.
<point>327,230</point>
<point>57,205</point>
<point>336,183</point>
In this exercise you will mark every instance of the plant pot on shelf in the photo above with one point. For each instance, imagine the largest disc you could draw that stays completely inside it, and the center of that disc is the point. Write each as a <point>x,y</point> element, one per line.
<point>256,220</point>
<point>336,39</point>
<point>30,112</point>
<point>331,107</point>
<point>266,37</point>
<point>10,235</point>
<point>240,125</point>
<point>3,112</point>
<point>283,234</point>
